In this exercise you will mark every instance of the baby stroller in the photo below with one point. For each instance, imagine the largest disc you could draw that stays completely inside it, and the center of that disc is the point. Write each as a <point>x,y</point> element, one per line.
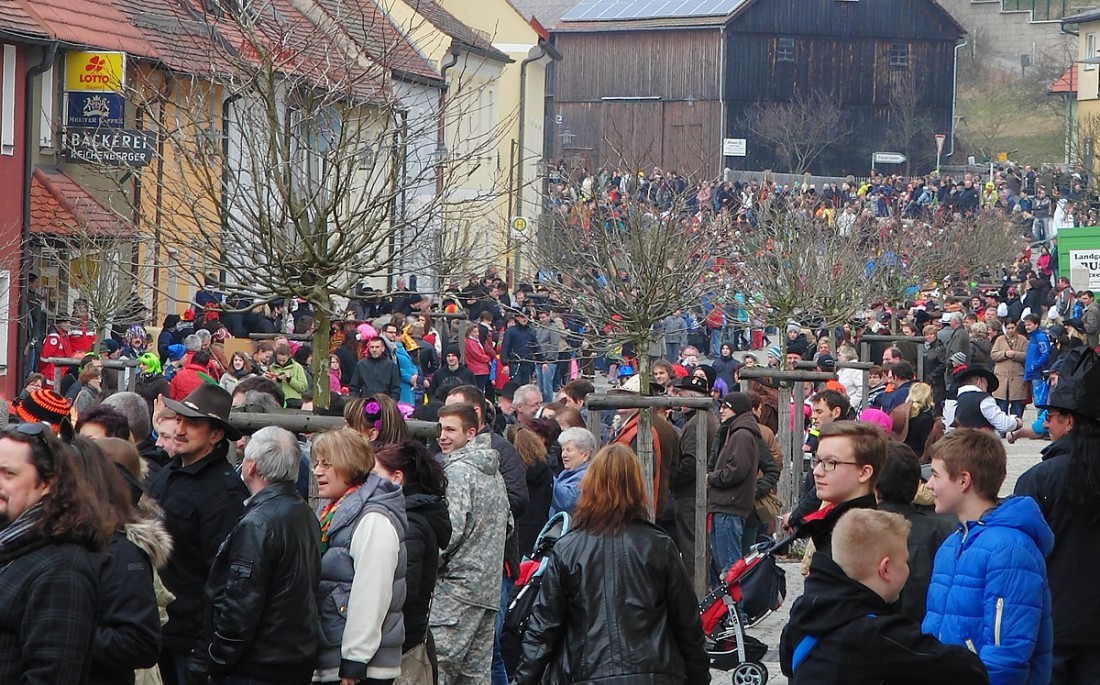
<point>521,598</point>
<point>751,589</point>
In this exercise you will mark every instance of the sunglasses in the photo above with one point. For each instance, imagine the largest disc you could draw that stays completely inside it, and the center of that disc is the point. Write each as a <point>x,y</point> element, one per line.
<point>31,430</point>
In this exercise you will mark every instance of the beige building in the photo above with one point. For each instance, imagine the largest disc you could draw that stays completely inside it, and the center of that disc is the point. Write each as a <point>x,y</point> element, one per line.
<point>522,107</point>
<point>1086,26</point>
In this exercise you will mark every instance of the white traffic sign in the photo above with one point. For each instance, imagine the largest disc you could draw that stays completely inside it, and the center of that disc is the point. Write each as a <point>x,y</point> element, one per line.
<point>519,224</point>
<point>733,147</point>
<point>888,158</point>
<point>940,137</point>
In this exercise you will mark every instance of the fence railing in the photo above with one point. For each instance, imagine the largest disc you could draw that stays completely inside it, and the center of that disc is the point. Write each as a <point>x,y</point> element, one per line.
<point>1041,10</point>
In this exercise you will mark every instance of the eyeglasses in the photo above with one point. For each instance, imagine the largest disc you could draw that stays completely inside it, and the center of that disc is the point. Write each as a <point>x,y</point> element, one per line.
<point>36,430</point>
<point>829,465</point>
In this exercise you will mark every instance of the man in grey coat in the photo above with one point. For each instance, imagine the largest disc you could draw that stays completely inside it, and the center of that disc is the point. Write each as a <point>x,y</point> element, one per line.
<point>958,342</point>
<point>675,335</point>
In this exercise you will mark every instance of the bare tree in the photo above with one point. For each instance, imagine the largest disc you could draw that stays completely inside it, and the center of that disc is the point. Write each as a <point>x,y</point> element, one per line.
<point>625,262</point>
<point>286,159</point>
<point>911,253</point>
<point>800,130</point>
<point>802,268</point>
<point>911,130</point>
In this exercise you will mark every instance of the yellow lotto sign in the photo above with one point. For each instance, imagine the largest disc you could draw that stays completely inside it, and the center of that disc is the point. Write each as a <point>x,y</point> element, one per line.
<point>95,71</point>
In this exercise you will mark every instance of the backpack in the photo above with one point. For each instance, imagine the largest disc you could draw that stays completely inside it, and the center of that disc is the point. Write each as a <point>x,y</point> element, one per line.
<point>522,596</point>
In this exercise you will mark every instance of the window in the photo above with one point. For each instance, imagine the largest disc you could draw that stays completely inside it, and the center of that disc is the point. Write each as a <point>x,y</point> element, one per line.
<point>784,50</point>
<point>7,103</point>
<point>899,54</point>
<point>1090,50</point>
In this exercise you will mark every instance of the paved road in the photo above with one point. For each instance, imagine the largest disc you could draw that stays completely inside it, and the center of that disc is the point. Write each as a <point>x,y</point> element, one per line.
<point>1021,456</point>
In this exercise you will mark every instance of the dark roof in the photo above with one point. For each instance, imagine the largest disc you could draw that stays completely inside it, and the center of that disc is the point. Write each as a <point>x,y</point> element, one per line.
<point>1082,17</point>
<point>61,206</point>
<point>548,12</point>
<point>451,26</point>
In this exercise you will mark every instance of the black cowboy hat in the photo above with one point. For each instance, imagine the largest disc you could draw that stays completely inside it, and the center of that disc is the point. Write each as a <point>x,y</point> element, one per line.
<point>1078,384</point>
<point>964,372</point>
<point>208,401</point>
<point>694,383</point>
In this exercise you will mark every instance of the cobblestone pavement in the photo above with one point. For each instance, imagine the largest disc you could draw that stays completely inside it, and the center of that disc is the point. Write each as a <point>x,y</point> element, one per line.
<point>1021,456</point>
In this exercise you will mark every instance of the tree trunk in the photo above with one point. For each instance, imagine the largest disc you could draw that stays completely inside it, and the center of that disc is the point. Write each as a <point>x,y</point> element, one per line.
<point>322,334</point>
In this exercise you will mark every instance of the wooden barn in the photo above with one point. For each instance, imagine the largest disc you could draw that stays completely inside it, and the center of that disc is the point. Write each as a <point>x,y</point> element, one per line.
<point>648,83</point>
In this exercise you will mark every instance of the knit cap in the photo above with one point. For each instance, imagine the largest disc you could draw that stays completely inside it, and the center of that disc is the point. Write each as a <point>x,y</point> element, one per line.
<point>774,352</point>
<point>176,352</point>
<point>43,405</point>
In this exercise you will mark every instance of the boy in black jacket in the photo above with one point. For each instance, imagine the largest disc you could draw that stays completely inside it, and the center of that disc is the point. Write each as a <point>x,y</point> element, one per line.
<point>842,630</point>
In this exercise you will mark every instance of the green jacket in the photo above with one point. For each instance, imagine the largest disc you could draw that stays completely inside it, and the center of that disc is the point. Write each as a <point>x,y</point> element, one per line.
<point>295,381</point>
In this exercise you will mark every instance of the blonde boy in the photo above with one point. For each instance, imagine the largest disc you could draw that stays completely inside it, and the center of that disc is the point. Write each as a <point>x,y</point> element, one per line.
<point>843,630</point>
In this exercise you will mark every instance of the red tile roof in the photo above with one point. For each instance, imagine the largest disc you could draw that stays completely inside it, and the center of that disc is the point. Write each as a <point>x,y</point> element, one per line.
<point>92,24</point>
<point>61,206</point>
<point>19,20</point>
<point>371,29</point>
<point>1067,82</point>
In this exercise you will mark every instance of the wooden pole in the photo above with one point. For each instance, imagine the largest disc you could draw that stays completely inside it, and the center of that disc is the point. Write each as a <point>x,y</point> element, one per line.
<point>702,451</point>
<point>304,422</point>
<point>785,442</point>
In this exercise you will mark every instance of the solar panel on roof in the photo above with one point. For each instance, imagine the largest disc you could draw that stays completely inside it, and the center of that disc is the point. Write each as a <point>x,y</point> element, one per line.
<point>625,10</point>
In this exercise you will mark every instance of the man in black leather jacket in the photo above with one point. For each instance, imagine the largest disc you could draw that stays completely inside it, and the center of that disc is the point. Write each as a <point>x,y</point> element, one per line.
<point>260,609</point>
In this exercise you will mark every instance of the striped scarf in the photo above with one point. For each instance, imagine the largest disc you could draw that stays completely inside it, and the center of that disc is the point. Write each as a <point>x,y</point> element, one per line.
<point>327,514</point>
<point>20,526</point>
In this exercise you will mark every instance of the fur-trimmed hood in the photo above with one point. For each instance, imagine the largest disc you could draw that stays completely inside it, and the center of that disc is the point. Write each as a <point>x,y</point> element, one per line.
<point>150,534</point>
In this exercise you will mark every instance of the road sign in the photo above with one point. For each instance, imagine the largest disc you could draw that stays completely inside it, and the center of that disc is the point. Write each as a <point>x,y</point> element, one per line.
<point>519,224</point>
<point>733,147</point>
<point>888,158</point>
<point>1002,156</point>
<point>940,138</point>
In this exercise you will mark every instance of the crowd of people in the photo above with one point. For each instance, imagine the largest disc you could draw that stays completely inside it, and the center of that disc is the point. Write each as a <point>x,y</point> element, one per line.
<point>153,540</point>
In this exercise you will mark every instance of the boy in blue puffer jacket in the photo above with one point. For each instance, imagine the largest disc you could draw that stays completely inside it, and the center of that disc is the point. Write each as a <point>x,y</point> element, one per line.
<point>989,587</point>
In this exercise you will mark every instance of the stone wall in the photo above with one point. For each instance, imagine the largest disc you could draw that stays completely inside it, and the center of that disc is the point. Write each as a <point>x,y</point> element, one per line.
<point>1005,36</point>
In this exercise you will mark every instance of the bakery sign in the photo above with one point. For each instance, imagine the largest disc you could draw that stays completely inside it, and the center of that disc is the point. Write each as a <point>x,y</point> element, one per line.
<point>109,147</point>
<point>1084,269</point>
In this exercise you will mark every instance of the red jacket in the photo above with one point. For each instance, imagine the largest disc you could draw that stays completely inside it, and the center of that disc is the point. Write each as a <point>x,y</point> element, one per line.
<point>186,380</point>
<point>55,345</point>
<point>477,359</point>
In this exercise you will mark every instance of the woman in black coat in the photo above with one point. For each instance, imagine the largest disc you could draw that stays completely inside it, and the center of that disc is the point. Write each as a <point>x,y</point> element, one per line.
<point>540,485</point>
<point>424,485</point>
<point>127,633</point>
<point>616,604</point>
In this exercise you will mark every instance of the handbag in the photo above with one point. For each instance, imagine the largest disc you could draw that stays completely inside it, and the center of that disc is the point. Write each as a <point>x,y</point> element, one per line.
<point>416,667</point>
<point>768,507</point>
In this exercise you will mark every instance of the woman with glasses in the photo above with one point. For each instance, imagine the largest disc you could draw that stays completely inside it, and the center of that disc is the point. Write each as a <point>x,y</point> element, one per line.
<point>363,563</point>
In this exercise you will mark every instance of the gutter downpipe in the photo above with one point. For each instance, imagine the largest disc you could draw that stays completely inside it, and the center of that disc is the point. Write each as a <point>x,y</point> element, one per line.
<point>441,143</point>
<point>28,173</point>
<point>226,104</point>
<point>954,95</point>
<point>535,54</point>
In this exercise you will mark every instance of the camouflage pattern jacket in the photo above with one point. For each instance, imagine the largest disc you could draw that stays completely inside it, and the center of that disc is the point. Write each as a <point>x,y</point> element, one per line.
<point>477,503</point>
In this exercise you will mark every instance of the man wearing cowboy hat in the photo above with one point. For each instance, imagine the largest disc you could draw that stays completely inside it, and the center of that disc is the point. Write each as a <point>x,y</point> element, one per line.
<point>202,497</point>
<point>1066,484</point>
<point>974,406</point>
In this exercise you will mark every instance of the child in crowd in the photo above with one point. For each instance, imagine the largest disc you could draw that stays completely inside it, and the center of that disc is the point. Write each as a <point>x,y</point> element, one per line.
<point>842,630</point>
<point>989,587</point>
